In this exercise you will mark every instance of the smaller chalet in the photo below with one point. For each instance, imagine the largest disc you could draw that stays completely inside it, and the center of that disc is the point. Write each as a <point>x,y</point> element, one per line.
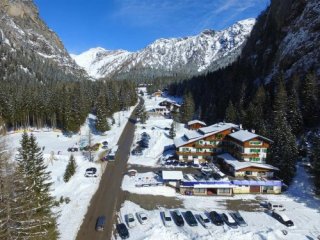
<point>158,111</point>
<point>170,105</point>
<point>196,124</point>
<point>246,169</point>
<point>157,93</point>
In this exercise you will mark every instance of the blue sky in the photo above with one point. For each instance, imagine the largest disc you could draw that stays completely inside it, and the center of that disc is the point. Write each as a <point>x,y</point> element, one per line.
<point>133,24</point>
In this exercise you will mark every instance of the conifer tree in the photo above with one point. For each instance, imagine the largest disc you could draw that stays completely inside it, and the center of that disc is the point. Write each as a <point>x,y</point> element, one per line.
<point>293,112</point>
<point>231,114</point>
<point>32,169</point>
<point>101,109</point>
<point>309,101</point>
<point>172,131</point>
<point>283,152</point>
<point>70,170</point>
<point>187,108</point>
<point>316,163</point>
<point>143,115</point>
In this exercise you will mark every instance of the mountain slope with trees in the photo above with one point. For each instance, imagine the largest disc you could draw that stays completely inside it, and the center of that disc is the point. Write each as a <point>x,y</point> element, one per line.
<point>274,85</point>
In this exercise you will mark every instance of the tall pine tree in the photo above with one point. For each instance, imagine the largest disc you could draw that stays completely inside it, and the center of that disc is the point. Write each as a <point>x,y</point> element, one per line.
<point>231,113</point>
<point>283,152</point>
<point>70,169</point>
<point>187,108</point>
<point>316,163</point>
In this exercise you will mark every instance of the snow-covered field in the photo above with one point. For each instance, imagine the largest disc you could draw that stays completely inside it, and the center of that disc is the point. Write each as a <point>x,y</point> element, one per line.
<point>159,137</point>
<point>79,189</point>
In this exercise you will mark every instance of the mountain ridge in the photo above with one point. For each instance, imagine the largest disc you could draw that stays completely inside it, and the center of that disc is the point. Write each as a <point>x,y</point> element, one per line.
<point>184,56</point>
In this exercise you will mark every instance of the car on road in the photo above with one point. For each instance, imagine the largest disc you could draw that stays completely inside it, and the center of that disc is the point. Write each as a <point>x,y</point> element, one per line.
<point>91,172</point>
<point>239,219</point>
<point>216,218</point>
<point>203,220</point>
<point>284,219</point>
<point>226,217</point>
<point>166,218</point>
<point>177,218</point>
<point>142,217</point>
<point>101,222</point>
<point>131,222</point>
<point>190,219</point>
<point>122,231</point>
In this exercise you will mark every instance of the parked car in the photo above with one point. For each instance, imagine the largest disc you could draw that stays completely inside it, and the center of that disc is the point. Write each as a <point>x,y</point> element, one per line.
<point>104,147</point>
<point>101,221</point>
<point>190,219</point>
<point>229,220</point>
<point>122,230</point>
<point>175,163</point>
<point>131,222</point>
<point>203,220</point>
<point>284,219</point>
<point>239,219</point>
<point>177,218</point>
<point>105,143</point>
<point>142,217</point>
<point>91,172</point>
<point>189,164</point>
<point>216,218</point>
<point>73,149</point>
<point>198,177</point>
<point>166,218</point>
<point>168,162</point>
<point>275,206</point>
<point>166,128</point>
<point>182,164</point>
<point>206,170</point>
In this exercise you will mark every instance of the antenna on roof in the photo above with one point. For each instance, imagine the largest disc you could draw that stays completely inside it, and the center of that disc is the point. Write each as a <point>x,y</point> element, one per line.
<point>240,126</point>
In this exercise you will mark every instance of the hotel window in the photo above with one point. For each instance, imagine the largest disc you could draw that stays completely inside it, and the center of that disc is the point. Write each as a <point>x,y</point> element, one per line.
<point>199,190</point>
<point>185,149</point>
<point>255,150</point>
<point>224,190</point>
<point>253,159</point>
<point>249,173</point>
<point>265,150</point>
<point>219,136</point>
<point>200,142</point>
<point>198,149</point>
<point>255,143</point>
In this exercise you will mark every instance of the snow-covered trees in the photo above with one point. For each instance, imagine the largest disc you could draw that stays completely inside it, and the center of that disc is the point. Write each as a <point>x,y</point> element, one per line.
<point>71,169</point>
<point>142,114</point>
<point>231,114</point>
<point>316,163</point>
<point>33,186</point>
<point>283,152</point>
<point>102,114</point>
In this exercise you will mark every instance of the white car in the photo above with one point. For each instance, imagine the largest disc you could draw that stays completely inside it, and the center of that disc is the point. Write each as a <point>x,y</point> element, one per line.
<point>131,222</point>
<point>142,217</point>
<point>166,218</point>
<point>91,172</point>
<point>204,220</point>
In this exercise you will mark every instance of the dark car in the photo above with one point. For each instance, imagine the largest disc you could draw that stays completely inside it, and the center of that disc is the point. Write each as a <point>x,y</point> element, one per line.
<point>175,163</point>
<point>182,164</point>
<point>216,218</point>
<point>282,218</point>
<point>137,152</point>
<point>105,143</point>
<point>190,219</point>
<point>101,221</point>
<point>239,219</point>
<point>122,230</point>
<point>229,220</point>
<point>189,164</point>
<point>177,218</point>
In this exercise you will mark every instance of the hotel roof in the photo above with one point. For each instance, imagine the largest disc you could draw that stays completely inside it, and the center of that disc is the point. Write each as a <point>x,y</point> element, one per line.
<point>244,135</point>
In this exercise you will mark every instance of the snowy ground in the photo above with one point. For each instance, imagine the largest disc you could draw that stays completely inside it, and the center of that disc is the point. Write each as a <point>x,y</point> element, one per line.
<point>300,204</point>
<point>155,127</point>
<point>79,189</point>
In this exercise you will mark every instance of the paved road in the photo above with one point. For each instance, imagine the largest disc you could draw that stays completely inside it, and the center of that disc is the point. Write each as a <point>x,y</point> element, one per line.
<point>105,200</point>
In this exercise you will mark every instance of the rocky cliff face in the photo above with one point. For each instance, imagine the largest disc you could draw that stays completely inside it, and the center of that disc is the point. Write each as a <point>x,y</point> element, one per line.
<point>184,57</point>
<point>286,39</point>
<point>22,28</point>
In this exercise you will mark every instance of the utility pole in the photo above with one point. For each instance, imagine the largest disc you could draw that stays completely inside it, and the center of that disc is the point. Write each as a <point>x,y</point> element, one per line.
<point>89,142</point>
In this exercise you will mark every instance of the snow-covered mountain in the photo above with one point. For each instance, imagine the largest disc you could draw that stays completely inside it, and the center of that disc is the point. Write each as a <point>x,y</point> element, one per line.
<point>187,56</point>
<point>21,28</point>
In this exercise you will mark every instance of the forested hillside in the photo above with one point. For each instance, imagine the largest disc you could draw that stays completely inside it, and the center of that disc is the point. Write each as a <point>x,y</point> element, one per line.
<point>274,86</point>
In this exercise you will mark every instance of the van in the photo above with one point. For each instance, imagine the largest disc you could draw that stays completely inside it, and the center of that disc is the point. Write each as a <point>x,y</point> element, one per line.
<point>101,221</point>
<point>275,206</point>
<point>284,219</point>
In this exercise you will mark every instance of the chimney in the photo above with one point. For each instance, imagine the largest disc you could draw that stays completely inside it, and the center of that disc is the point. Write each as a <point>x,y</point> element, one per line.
<point>240,126</point>
<point>253,131</point>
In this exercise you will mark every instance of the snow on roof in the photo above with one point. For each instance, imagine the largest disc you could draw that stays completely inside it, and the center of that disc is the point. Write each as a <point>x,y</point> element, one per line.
<point>196,121</point>
<point>213,186</point>
<point>202,133</point>
<point>218,127</point>
<point>244,135</point>
<point>172,175</point>
<point>237,165</point>
<point>192,135</point>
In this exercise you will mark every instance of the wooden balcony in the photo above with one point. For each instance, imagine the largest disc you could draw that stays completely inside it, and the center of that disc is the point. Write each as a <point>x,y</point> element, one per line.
<point>195,153</point>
